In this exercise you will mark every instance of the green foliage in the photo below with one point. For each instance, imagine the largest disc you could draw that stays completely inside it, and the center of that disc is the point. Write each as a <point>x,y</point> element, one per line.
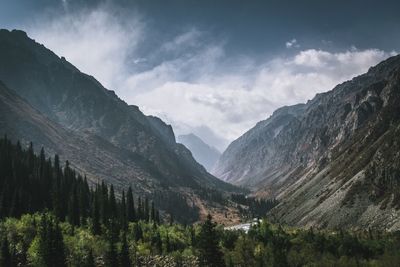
<point>208,244</point>
<point>92,227</point>
<point>41,240</point>
<point>5,254</point>
<point>48,248</point>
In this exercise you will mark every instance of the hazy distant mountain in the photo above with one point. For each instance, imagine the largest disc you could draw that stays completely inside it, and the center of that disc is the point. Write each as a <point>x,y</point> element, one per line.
<point>333,161</point>
<point>203,153</point>
<point>72,114</point>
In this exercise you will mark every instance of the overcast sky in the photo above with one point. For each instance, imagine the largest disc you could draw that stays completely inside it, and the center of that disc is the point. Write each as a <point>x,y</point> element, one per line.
<point>213,68</point>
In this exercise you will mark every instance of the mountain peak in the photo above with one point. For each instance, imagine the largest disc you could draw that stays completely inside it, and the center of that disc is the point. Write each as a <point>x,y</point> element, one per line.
<point>325,158</point>
<point>127,146</point>
<point>205,154</point>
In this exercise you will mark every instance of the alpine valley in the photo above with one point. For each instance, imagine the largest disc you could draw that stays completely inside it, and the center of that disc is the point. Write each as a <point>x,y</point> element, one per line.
<point>47,101</point>
<point>88,178</point>
<point>332,162</point>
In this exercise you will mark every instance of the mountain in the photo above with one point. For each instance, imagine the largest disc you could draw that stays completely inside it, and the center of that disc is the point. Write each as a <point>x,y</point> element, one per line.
<point>204,154</point>
<point>70,113</point>
<point>332,162</point>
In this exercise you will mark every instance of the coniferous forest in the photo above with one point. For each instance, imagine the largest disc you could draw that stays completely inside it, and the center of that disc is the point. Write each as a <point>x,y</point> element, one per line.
<point>51,216</point>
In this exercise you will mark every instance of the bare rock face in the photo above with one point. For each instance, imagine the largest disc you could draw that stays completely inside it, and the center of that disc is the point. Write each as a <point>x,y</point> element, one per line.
<point>333,161</point>
<point>99,133</point>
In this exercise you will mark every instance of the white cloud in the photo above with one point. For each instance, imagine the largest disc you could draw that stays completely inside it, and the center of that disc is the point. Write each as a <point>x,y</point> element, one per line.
<point>96,41</point>
<point>292,43</point>
<point>194,85</point>
<point>231,108</point>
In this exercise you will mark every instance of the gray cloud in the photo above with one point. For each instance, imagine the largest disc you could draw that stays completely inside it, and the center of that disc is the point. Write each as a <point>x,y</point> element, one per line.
<point>189,80</point>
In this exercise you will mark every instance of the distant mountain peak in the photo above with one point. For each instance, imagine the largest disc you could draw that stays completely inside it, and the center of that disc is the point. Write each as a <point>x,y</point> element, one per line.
<point>205,154</point>
<point>106,138</point>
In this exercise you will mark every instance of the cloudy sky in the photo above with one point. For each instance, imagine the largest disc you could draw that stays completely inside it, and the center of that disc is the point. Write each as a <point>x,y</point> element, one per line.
<point>213,68</point>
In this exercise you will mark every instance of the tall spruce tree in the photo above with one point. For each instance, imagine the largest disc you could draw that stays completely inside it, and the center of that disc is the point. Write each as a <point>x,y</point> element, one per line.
<point>208,245</point>
<point>130,206</point>
<point>51,250</point>
<point>5,254</point>
<point>124,259</point>
<point>122,212</point>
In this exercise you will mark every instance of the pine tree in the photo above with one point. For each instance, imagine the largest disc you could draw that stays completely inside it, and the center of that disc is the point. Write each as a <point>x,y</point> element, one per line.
<point>112,204</point>
<point>208,245</point>
<point>51,249</point>
<point>146,209</point>
<point>112,257</point>
<point>167,244</point>
<point>5,256</point>
<point>104,204</point>
<point>122,210</point>
<point>124,259</point>
<point>73,208</point>
<point>96,226</point>
<point>89,261</point>
<point>139,209</point>
<point>153,213</point>
<point>130,206</point>
<point>57,245</point>
<point>157,242</point>
<point>57,206</point>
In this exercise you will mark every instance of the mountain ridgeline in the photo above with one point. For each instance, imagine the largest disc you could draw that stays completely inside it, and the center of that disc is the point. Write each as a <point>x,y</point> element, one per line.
<point>332,162</point>
<point>205,154</point>
<point>46,100</point>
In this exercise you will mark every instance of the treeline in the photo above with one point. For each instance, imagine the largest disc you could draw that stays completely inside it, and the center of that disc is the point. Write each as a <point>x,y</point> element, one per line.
<point>51,217</point>
<point>255,208</point>
<point>41,240</point>
<point>30,183</point>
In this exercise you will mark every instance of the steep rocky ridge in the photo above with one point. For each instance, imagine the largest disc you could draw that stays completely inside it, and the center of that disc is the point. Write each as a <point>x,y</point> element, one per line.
<point>334,162</point>
<point>104,131</point>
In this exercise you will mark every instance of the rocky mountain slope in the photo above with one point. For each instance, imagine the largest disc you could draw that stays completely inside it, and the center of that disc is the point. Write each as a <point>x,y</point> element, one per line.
<point>332,162</point>
<point>203,153</point>
<point>72,114</point>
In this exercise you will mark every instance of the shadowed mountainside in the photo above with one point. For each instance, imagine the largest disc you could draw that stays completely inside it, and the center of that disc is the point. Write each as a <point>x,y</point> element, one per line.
<point>331,162</point>
<point>70,113</point>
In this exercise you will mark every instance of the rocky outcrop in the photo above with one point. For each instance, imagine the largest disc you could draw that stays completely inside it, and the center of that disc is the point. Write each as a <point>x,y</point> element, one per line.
<point>327,160</point>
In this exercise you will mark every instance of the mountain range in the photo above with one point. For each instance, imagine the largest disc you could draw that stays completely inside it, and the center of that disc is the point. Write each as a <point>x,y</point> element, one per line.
<point>46,100</point>
<point>331,162</point>
<point>204,154</point>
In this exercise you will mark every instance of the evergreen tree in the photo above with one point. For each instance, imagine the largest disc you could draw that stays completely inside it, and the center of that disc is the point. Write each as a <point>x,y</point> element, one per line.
<point>139,209</point>
<point>122,210</point>
<point>5,256</point>
<point>208,245</point>
<point>57,205</point>
<point>51,250</point>
<point>96,227</point>
<point>104,204</point>
<point>57,245</point>
<point>73,209</point>
<point>112,257</point>
<point>153,213</point>
<point>130,206</point>
<point>112,203</point>
<point>89,261</point>
<point>157,242</point>
<point>124,259</point>
<point>146,210</point>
